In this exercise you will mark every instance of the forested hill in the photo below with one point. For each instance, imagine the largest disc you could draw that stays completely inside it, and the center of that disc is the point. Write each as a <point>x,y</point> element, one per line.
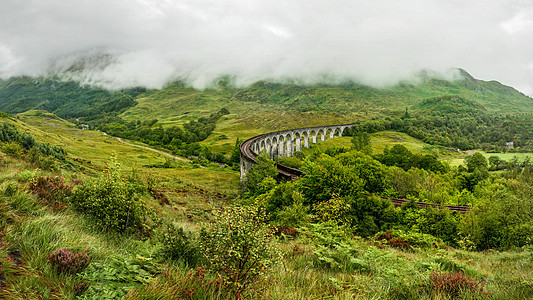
<point>69,99</point>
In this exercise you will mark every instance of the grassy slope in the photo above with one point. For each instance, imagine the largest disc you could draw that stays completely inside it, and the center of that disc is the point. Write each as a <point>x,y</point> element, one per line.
<point>186,186</point>
<point>64,98</point>
<point>382,139</point>
<point>178,100</point>
<point>35,231</point>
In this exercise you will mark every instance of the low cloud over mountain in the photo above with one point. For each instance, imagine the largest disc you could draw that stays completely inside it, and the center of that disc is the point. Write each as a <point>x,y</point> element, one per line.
<point>118,43</point>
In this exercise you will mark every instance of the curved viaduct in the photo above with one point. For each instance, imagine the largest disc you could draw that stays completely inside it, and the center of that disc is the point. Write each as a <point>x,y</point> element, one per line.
<point>286,142</point>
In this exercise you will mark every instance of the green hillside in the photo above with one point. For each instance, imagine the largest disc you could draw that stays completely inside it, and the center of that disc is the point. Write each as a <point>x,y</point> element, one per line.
<point>67,99</point>
<point>177,102</point>
<point>353,97</point>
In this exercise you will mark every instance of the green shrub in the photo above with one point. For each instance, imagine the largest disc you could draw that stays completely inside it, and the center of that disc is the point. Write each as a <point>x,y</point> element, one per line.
<point>239,247</point>
<point>260,179</point>
<point>112,203</point>
<point>501,218</point>
<point>284,205</point>
<point>327,177</point>
<point>26,175</point>
<point>294,215</point>
<point>440,223</point>
<point>334,248</point>
<point>178,245</point>
<point>13,149</point>
<point>364,215</point>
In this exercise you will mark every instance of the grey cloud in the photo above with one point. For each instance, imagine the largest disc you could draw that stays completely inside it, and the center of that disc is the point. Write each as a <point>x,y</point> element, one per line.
<point>150,42</point>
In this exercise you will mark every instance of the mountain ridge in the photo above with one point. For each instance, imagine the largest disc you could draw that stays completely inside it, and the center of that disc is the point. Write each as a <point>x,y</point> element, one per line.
<point>71,99</point>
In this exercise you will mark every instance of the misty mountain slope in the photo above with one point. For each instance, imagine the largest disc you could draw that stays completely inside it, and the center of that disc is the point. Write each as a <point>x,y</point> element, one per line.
<point>176,103</point>
<point>354,97</point>
<point>67,99</point>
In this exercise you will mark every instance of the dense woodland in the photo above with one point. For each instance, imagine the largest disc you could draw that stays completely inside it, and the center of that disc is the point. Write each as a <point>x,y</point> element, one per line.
<point>338,188</point>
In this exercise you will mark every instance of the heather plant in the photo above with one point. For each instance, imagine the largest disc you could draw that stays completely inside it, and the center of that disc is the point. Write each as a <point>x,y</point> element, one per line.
<point>65,261</point>
<point>52,190</point>
<point>239,247</point>
<point>454,284</point>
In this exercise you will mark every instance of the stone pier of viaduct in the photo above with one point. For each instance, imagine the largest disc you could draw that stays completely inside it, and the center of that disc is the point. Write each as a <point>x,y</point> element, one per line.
<point>285,143</point>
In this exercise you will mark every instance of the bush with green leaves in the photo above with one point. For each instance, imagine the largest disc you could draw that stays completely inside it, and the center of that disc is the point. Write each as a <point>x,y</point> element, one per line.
<point>295,215</point>
<point>285,205</point>
<point>112,203</point>
<point>363,215</point>
<point>239,247</point>
<point>260,178</point>
<point>439,222</point>
<point>16,143</point>
<point>502,216</point>
<point>13,149</point>
<point>327,177</point>
<point>180,246</point>
<point>371,171</point>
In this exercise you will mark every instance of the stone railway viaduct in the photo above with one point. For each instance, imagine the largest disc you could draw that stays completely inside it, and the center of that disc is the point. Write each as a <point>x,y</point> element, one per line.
<point>286,142</point>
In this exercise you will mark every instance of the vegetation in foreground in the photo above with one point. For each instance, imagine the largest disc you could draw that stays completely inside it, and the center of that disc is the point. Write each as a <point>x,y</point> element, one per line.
<point>318,243</point>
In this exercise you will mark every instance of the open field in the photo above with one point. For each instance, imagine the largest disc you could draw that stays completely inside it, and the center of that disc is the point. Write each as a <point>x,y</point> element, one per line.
<point>504,156</point>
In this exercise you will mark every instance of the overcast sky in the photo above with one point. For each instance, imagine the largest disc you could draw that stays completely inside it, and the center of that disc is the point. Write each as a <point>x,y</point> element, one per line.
<point>378,42</point>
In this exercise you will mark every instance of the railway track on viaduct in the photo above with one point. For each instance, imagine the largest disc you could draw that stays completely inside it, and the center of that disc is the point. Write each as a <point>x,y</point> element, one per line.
<point>286,142</point>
